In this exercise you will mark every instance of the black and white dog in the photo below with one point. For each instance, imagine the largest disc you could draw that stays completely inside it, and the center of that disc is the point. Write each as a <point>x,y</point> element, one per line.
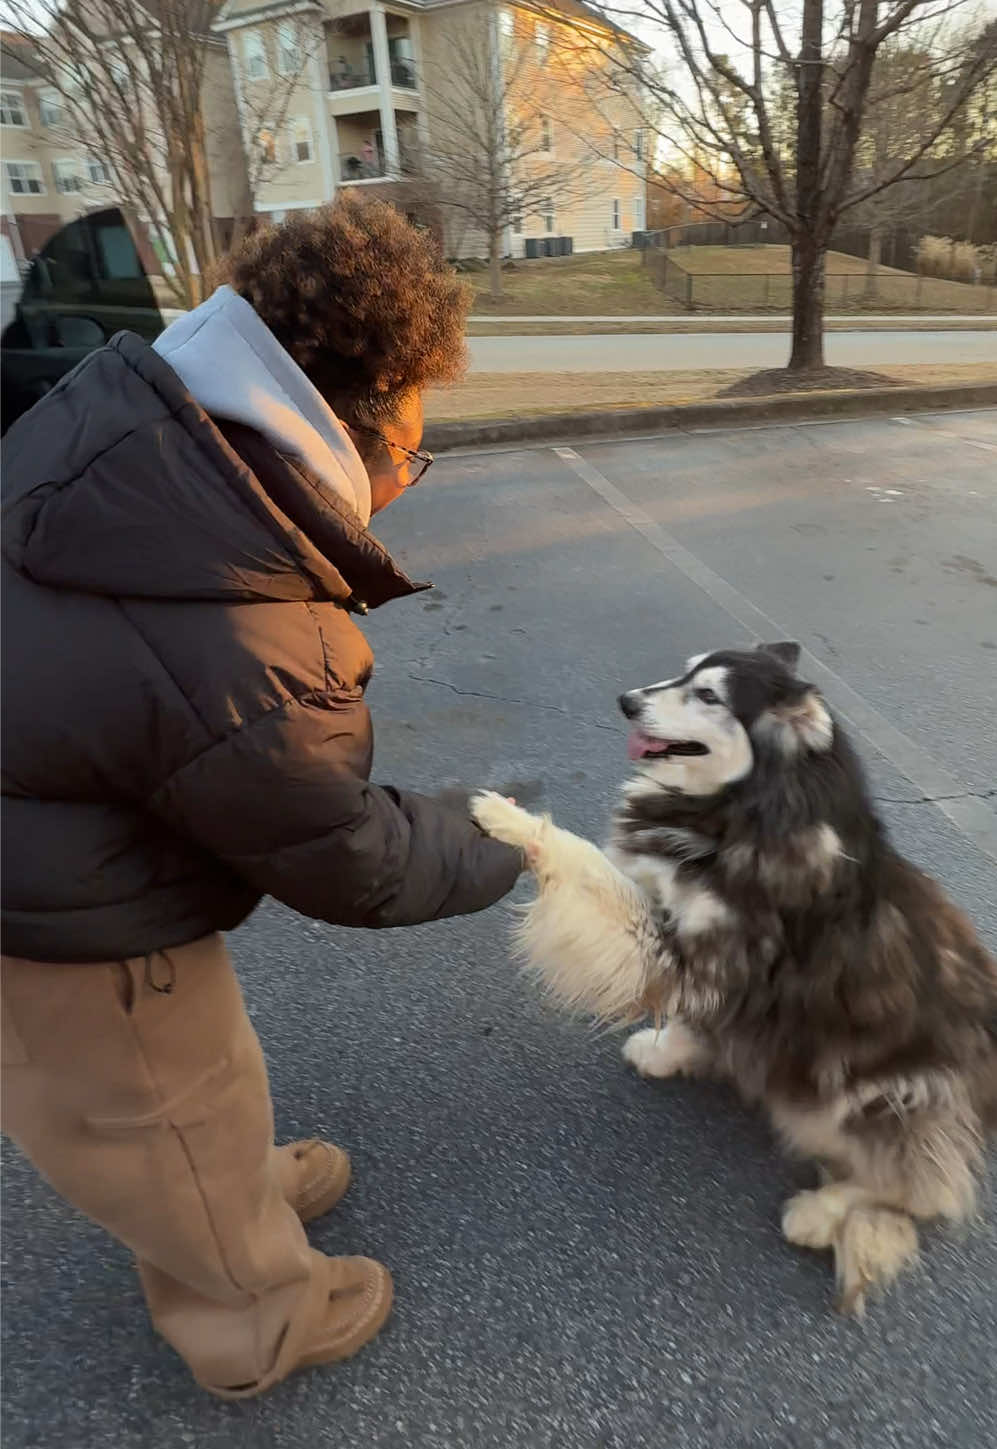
<point>750,896</point>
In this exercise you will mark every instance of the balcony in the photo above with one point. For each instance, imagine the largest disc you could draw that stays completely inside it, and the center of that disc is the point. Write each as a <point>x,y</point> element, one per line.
<point>352,65</point>
<point>366,159</point>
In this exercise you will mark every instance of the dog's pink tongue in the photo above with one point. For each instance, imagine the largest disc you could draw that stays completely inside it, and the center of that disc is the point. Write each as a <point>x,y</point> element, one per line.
<point>638,745</point>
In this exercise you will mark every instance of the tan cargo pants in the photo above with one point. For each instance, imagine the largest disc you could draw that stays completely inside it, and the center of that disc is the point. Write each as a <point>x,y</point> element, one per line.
<point>138,1089</point>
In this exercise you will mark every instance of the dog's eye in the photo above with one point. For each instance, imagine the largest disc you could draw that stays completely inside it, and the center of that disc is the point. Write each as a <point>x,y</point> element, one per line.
<point>708,696</point>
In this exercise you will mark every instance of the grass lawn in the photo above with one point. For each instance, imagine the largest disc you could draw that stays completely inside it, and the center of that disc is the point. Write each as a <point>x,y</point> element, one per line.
<point>725,279</point>
<point>530,394</point>
<point>600,283</point>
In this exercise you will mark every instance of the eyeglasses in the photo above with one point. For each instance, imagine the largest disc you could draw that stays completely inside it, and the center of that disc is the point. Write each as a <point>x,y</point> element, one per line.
<point>420,460</point>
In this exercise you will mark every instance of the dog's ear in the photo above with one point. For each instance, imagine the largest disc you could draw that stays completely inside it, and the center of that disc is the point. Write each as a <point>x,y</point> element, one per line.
<point>800,721</point>
<point>787,652</point>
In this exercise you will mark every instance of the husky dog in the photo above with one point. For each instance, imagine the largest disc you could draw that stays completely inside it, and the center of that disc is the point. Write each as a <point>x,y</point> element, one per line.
<point>751,898</point>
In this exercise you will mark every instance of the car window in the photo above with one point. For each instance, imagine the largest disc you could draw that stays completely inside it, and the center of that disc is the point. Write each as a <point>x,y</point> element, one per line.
<point>85,284</point>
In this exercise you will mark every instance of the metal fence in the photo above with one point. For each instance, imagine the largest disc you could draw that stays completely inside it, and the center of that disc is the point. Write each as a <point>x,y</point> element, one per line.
<point>843,291</point>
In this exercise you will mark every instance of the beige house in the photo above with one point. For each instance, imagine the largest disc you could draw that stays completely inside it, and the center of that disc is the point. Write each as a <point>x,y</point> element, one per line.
<point>365,103</point>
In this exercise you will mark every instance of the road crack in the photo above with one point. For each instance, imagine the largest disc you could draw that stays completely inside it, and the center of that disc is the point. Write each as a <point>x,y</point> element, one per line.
<point>932,799</point>
<point>511,699</point>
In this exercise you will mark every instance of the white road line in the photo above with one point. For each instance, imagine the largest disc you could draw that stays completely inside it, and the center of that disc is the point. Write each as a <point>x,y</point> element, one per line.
<point>969,814</point>
<point>946,433</point>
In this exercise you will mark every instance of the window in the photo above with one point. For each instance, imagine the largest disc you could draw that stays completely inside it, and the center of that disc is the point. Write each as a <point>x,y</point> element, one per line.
<point>517,225</point>
<point>256,55</point>
<point>542,37</point>
<point>545,134</point>
<point>67,175</point>
<point>639,144</point>
<point>266,144</point>
<point>507,26</point>
<point>616,216</point>
<point>638,213</point>
<point>12,109</point>
<point>616,145</point>
<point>301,139</point>
<point>24,178</point>
<point>547,212</point>
<point>50,110</point>
<point>289,57</point>
<point>97,172</point>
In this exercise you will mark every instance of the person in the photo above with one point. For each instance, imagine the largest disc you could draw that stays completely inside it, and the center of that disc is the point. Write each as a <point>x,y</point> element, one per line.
<point>185,554</point>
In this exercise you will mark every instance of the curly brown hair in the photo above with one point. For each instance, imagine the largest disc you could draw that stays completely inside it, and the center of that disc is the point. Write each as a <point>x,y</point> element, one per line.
<point>360,298</point>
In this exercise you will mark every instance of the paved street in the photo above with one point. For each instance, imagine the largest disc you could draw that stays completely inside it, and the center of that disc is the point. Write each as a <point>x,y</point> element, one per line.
<point>583,1260</point>
<point>644,352</point>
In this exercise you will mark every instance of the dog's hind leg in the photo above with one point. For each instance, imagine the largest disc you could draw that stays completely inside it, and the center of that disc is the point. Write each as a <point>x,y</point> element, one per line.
<point>673,1051</point>
<point>911,1148</point>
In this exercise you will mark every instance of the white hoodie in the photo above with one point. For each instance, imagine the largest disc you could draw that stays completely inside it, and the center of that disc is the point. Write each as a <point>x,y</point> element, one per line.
<point>233,365</point>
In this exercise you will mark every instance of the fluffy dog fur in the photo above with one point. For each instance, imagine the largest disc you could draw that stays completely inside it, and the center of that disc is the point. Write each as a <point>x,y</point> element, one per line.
<point>750,895</point>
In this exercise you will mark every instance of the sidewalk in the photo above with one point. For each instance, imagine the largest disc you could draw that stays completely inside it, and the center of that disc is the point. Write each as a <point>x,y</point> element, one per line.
<point>715,322</point>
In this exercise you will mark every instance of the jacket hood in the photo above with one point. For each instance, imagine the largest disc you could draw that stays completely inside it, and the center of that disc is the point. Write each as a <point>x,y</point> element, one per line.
<point>231,362</point>
<point>118,483</point>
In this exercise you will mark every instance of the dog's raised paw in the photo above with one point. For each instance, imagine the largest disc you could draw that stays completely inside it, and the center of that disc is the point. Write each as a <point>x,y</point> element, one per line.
<point>502,820</point>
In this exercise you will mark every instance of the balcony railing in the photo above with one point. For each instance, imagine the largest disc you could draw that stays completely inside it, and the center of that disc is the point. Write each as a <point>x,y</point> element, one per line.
<point>350,77</point>
<point>403,75</point>
<point>368,164</point>
<point>364,164</point>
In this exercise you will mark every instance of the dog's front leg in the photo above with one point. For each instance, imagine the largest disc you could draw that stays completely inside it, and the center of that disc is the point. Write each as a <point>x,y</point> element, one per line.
<point>591,934</point>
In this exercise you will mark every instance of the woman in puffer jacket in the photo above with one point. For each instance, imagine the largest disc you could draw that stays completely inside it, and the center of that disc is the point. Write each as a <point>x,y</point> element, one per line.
<point>185,554</point>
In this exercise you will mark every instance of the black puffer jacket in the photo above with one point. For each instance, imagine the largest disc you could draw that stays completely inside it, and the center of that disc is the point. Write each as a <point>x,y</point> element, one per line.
<point>184,728</point>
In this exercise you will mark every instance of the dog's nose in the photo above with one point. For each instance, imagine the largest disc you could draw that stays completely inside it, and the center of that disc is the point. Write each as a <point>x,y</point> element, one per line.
<point>630,704</point>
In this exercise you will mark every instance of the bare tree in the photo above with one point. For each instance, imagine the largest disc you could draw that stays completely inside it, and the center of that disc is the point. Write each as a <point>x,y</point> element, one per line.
<point>493,159</point>
<point>133,83</point>
<point>735,58</point>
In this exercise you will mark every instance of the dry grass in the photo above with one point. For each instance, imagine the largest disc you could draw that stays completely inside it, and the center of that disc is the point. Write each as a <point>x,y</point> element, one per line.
<point>603,283</point>
<point>531,394</point>
<point>745,278</point>
<point>726,279</point>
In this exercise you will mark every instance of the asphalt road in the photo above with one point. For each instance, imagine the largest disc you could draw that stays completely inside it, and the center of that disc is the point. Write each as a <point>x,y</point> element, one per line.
<point>647,352</point>
<point>583,1260</point>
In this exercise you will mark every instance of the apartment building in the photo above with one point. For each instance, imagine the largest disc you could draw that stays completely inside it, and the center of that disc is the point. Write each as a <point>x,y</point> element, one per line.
<point>48,176</point>
<point>368,99</point>
<point>44,179</point>
<point>304,97</point>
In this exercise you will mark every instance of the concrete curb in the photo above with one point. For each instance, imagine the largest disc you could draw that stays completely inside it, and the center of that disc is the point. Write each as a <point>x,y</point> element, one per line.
<point>442,437</point>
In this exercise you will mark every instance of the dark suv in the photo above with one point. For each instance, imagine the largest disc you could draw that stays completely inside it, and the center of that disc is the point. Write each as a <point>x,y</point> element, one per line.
<point>86,283</point>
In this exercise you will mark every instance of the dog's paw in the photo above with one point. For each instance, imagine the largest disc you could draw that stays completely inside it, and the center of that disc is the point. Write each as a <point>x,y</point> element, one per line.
<point>873,1247</point>
<point>665,1053</point>
<point>502,820</point>
<point>812,1219</point>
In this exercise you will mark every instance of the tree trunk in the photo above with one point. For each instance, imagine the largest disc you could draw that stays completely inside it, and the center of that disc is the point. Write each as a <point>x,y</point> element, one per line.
<point>495,266</point>
<point>872,263</point>
<point>808,251</point>
<point>809,257</point>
